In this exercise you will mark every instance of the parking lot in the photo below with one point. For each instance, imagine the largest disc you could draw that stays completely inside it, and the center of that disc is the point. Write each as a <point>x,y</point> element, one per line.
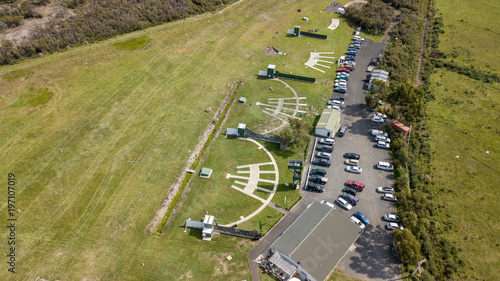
<point>370,257</point>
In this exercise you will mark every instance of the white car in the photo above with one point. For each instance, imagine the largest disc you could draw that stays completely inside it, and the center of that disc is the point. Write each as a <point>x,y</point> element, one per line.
<point>353,169</point>
<point>377,119</point>
<point>335,102</point>
<point>386,166</point>
<point>383,144</point>
<point>324,202</point>
<point>393,225</point>
<point>385,189</point>
<point>391,218</point>
<point>324,155</point>
<point>379,132</point>
<point>336,107</point>
<point>327,141</point>
<point>344,204</point>
<point>382,138</point>
<point>390,197</point>
<point>358,222</point>
<point>341,84</point>
<point>381,115</point>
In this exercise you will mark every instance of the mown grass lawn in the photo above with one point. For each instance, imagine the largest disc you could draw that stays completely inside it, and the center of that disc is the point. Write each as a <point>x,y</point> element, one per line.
<point>464,126</point>
<point>108,130</point>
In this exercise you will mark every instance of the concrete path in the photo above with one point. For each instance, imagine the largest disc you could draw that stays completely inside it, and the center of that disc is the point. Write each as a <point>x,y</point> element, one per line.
<point>252,176</point>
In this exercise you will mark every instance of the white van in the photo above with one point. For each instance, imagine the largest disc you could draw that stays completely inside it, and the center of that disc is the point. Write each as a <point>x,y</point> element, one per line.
<point>358,38</point>
<point>385,166</point>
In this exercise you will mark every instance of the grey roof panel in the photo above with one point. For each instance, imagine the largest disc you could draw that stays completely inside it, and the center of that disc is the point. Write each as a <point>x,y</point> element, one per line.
<point>300,229</point>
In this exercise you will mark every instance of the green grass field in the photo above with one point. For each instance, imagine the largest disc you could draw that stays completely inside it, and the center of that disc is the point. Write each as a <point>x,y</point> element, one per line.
<point>471,32</point>
<point>465,127</point>
<point>96,136</point>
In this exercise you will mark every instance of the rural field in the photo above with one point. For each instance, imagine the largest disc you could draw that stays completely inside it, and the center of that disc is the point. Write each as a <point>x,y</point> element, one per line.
<point>464,126</point>
<point>97,135</point>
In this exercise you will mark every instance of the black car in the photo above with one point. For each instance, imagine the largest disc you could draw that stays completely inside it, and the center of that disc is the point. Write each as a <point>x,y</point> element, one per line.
<point>315,187</point>
<point>349,190</point>
<point>320,172</point>
<point>324,148</point>
<point>351,53</point>
<point>351,155</point>
<point>340,90</point>
<point>350,198</point>
<point>322,162</point>
<point>337,98</point>
<point>350,58</point>
<point>318,179</point>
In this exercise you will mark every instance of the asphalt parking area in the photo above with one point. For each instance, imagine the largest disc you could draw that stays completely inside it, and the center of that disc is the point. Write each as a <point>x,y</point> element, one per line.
<point>370,257</point>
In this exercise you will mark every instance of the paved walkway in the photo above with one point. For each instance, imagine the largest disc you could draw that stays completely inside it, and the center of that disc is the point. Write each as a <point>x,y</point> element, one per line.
<point>252,178</point>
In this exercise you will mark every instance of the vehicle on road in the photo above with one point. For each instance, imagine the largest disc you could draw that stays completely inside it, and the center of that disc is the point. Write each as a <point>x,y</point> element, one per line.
<point>391,218</point>
<point>393,225</point>
<point>342,131</point>
<point>344,204</point>
<point>379,132</point>
<point>381,115</point>
<point>377,119</point>
<point>351,155</point>
<point>386,166</point>
<point>327,141</point>
<point>382,138</point>
<point>353,169</point>
<point>324,148</point>
<point>353,200</point>
<point>334,107</point>
<point>389,197</point>
<point>318,179</point>
<point>383,144</point>
<point>340,90</point>
<point>321,162</point>
<point>315,187</point>
<point>324,155</point>
<point>352,162</point>
<point>324,202</point>
<point>358,222</point>
<point>349,190</point>
<point>354,184</point>
<point>361,217</point>
<point>319,172</point>
<point>385,189</point>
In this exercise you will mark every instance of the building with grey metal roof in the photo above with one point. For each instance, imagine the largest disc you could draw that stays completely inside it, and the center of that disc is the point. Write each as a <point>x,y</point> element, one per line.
<point>378,74</point>
<point>328,123</point>
<point>317,240</point>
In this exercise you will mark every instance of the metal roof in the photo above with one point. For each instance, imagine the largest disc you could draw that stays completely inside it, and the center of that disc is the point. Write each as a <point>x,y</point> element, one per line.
<point>329,119</point>
<point>380,75</point>
<point>318,240</point>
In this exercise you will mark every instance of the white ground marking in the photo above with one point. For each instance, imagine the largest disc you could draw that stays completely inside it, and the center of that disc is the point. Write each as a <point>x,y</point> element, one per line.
<point>334,24</point>
<point>316,57</point>
<point>253,179</point>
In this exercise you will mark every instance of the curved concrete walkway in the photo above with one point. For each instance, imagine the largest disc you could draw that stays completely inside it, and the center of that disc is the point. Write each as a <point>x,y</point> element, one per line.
<point>253,179</point>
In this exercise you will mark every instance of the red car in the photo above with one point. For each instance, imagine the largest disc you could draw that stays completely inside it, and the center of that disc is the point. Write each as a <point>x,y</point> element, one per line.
<point>357,185</point>
<point>343,70</point>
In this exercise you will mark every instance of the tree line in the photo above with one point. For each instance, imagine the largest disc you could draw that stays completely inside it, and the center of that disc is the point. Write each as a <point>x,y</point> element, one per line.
<point>425,234</point>
<point>94,21</point>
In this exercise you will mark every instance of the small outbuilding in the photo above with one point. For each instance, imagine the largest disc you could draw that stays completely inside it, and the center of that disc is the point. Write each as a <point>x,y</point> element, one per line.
<point>399,127</point>
<point>242,100</point>
<point>378,74</point>
<point>206,173</point>
<point>328,123</point>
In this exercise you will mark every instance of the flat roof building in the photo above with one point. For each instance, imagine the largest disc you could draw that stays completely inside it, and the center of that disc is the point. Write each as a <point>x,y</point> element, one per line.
<point>378,74</point>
